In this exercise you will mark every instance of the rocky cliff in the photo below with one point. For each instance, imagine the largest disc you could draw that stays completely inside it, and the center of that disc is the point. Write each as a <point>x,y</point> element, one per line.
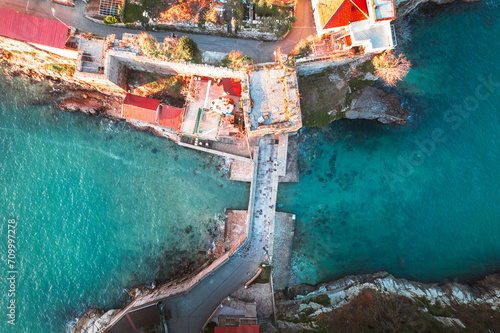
<point>451,306</point>
<point>376,104</point>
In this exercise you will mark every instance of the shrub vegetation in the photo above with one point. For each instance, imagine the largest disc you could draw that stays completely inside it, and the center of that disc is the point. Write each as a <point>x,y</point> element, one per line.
<point>61,68</point>
<point>391,68</point>
<point>111,19</point>
<point>187,49</point>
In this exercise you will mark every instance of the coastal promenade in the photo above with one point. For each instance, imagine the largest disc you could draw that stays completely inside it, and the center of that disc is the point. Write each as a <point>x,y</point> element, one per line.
<point>190,310</point>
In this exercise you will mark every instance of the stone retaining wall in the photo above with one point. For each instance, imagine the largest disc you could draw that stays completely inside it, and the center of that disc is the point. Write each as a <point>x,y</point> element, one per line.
<point>171,290</point>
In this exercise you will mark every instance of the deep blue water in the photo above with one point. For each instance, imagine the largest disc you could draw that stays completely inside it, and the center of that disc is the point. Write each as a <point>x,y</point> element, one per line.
<point>419,200</point>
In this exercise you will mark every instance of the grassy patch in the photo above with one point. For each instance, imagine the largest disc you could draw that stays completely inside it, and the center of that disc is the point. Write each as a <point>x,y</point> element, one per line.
<point>367,67</point>
<point>320,96</point>
<point>265,275</point>
<point>357,83</point>
<point>132,13</point>
<point>61,68</point>
<point>320,299</point>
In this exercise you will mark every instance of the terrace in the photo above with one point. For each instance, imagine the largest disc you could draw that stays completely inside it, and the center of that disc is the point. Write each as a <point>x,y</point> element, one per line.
<point>375,37</point>
<point>382,9</point>
<point>275,97</point>
<point>210,109</point>
<point>331,45</point>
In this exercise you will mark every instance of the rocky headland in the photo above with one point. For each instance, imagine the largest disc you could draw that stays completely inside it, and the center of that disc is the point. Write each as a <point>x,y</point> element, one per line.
<point>374,103</point>
<point>380,301</point>
<point>52,81</point>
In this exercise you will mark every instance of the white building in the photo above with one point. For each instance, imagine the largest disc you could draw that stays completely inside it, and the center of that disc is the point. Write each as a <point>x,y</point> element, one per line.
<point>364,23</point>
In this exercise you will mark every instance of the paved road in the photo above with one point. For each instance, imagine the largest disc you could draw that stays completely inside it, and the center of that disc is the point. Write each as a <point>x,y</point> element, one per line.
<point>302,28</point>
<point>191,310</point>
<point>74,16</point>
<point>257,50</point>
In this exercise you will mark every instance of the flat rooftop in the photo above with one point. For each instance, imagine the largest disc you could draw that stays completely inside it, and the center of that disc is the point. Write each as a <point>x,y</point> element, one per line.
<point>275,97</point>
<point>384,9</point>
<point>91,55</point>
<point>374,37</point>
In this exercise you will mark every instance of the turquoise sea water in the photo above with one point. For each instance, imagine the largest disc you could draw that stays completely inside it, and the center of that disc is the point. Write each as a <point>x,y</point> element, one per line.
<point>100,207</point>
<point>422,200</point>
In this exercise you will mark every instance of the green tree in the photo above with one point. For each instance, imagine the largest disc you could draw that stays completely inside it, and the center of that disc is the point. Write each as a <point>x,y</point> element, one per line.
<point>111,19</point>
<point>187,49</point>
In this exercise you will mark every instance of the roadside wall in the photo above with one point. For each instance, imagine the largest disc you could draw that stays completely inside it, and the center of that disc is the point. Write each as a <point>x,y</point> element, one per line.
<point>141,63</point>
<point>315,67</point>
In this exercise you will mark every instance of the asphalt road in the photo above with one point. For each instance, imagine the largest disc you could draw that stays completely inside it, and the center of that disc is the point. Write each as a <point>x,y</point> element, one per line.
<point>257,50</point>
<point>302,28</point>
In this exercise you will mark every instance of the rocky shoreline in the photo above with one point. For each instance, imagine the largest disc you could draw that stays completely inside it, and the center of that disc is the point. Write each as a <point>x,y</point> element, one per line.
<point>304,307</point>
<point>55,84</point>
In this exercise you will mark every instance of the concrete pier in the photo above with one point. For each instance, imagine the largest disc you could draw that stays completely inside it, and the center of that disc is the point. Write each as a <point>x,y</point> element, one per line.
<point>193,301</point>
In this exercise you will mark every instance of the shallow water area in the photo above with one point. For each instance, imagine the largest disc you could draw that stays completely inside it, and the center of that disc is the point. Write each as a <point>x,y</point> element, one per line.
<point>99,207</point>
<point>418,200</point>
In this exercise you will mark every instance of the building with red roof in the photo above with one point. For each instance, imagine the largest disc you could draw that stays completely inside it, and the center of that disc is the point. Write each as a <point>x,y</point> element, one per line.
<point>171,117</point>
<point>239,329</point>
<point>151,111</point>
<point>333,14</point>
<point>140,108</point>
<point>232,87</point>
<point>364,23</point>
<point>33,29</point>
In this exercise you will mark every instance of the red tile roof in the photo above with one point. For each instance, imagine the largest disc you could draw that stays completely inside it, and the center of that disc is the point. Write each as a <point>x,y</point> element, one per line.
<point>171,117</point>
<point>232,86</point>
<point>32,29</point>
<point>140,108</point>
<point>240,329</point>
<point>339,13</point>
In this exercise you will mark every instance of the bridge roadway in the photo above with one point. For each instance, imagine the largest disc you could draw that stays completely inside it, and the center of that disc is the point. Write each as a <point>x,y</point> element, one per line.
<point>191,309</point>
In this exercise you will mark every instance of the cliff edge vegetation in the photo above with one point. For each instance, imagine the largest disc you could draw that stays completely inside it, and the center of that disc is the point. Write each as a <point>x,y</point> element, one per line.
<point>382,303</point>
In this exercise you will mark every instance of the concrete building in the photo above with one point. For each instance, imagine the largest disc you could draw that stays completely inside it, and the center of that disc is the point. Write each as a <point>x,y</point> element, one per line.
<point>363,23</point>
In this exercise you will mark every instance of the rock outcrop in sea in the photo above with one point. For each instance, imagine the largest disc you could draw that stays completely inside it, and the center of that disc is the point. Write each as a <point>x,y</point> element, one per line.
<point>373,103</point>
